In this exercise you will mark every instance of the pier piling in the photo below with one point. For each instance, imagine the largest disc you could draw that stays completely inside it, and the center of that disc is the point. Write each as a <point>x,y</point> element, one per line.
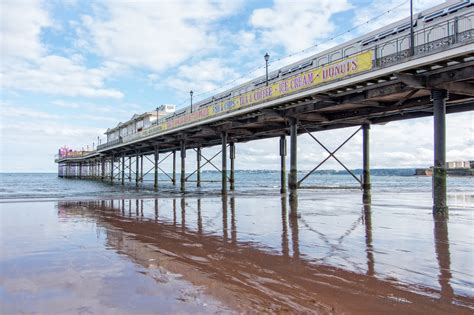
<point>130,169</point>
<point>112,169</point>
<point>224,162</point>
<point>183,166</point>
<point>137,170</point>
<point>366,186</point>
<point>232,166</point>
<point>283,164</point>
<point>439,98</point>
<point>155,182</point>
<point>102,169</point>
<point>174,168</point>
<point>198,166</point>
<point>293,180</point>
<point>141,168</point>
<point>123,169</point>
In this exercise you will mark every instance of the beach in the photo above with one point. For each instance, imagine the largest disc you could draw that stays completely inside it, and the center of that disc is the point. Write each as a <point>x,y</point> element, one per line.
<point>247,252</point>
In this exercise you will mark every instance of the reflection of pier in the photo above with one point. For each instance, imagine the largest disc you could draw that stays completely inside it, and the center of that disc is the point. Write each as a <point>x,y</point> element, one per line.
<point>224,265</point>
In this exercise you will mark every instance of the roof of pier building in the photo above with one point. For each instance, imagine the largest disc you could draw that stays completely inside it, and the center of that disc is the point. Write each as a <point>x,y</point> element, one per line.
<point>152,115</point>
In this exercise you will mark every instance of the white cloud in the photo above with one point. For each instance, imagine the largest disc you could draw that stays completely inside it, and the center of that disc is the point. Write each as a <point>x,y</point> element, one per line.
<point>201,77</point>
<point>296,24</point>
<point>21,26</point>
<point>20,113</point>
<point>156,35</point>
<point>58,76</point>
<point>377,7</point>
<point>28,66</point>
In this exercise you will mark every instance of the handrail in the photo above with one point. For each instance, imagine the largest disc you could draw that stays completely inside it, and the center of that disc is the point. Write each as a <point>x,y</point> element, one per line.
<point>110,143</point>
<point>73,154</point>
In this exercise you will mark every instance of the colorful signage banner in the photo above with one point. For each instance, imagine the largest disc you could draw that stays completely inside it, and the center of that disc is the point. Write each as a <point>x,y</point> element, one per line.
<point>302,81</point>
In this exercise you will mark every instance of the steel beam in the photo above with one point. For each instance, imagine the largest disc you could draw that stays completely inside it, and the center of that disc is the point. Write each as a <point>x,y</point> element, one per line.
<point>439,168</point>
<point>366,186</point>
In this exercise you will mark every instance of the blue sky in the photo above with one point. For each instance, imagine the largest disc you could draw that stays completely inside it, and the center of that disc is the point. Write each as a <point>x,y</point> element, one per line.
<point>71,69</point>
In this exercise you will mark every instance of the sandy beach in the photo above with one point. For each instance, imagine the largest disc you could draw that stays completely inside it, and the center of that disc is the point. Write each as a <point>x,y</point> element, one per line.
<point>235,254</point>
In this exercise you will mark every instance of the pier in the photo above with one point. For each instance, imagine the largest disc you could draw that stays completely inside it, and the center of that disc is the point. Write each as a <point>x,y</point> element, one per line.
<point>364,82</point>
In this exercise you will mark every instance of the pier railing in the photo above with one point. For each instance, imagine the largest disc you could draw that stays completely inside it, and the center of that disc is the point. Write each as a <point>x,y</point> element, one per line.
<point>109,144</point>
<point>73,154</point>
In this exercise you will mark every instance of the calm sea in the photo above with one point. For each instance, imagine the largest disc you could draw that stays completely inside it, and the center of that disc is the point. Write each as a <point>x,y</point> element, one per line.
<point>48,185</point>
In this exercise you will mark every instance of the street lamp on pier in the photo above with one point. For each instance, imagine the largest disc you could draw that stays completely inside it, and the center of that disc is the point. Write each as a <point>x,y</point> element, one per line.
<point>157,110</point>
<point>191,94</point>
<point>267,56</point>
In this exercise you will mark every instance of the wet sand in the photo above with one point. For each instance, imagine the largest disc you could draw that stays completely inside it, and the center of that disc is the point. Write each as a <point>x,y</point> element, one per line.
<point>325,253</point>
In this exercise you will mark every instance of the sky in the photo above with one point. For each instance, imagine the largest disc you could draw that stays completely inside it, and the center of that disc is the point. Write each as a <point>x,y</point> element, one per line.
<point>70,69</point>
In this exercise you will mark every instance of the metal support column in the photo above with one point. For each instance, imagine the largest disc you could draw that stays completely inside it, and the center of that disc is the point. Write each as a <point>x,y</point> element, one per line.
<point>439,168</point>
<point>183,166</point>
<point>198,166</point>
<point>123,169</point>
<point>102,176</point>
<point>141,168</point>
<point>174,168</point>
<point>155,182</point>
<point>112,169</point>
<point>224,162</point>
<point>80,170</point>
<point>293,179</point>
<point>130,168</point>
<point>232,166</point>
<point>366,197</point>
<point>283,164</point>
<point>137,170</point>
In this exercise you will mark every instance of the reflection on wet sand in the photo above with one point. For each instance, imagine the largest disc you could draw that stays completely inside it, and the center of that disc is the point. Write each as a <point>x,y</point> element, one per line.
<point>443,256</point>
<point>248,277</point>
<point>368,239</point>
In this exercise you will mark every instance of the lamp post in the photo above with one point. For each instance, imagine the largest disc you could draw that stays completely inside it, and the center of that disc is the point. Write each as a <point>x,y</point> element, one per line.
<point>157,110</point>
<point>191,94</point>
<point>412,35</point>
<point>267,56</point>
